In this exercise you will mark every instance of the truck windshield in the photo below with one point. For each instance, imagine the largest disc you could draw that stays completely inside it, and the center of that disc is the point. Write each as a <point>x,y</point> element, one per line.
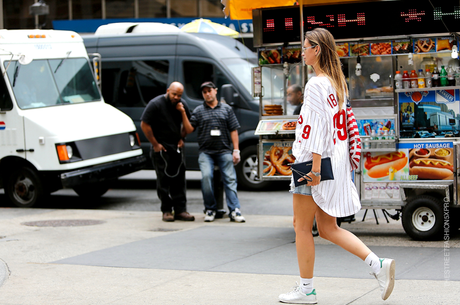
<point>40,84</point>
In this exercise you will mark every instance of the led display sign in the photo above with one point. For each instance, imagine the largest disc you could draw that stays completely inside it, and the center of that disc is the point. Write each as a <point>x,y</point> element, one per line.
<point>360,20</point>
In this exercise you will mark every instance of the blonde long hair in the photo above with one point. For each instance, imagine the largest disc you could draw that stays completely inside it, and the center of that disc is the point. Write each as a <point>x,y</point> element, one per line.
<point>329,62</point>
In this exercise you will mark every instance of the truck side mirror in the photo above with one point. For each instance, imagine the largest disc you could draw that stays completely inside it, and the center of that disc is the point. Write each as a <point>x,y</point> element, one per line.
<point>229,94</point>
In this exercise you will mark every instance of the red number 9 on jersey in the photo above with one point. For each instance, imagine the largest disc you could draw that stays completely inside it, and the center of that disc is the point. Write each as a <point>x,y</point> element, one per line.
<point>340,124</point>
<point>306,132</point>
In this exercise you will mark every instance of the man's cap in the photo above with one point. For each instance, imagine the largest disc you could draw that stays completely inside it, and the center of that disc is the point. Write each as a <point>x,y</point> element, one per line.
<point>208,84</point>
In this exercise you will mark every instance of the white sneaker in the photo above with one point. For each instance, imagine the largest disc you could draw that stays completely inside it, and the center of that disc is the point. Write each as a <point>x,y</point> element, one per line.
<point>236,216</point>
<point>386,277</point>
<point>210,216</point>
<point>296,296</point>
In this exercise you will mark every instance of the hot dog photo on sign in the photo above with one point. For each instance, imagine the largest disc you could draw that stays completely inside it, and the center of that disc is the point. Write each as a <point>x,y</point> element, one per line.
<point>386,166</point>
<point>431,163</point>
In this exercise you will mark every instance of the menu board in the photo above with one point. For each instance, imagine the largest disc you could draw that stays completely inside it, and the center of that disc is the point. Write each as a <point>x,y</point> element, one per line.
<point>269,56</point>
<point>292,54</point>
<point>277,155</point>
<point>402,46</point>
<point>412,161</point>
<point>276,126</point>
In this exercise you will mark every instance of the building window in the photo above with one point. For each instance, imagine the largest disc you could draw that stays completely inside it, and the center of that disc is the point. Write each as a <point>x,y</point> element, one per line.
<point>211,8</point>
<point>184,8</point>
<point>152,8</point>
<point>119,9</point>
<point>86,9</point>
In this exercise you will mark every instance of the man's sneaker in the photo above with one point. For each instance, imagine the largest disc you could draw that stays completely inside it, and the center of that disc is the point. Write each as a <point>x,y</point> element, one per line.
<point>236,216</point>
<point>386,277</point>
<point>210,215</point>
<point>296,296</point>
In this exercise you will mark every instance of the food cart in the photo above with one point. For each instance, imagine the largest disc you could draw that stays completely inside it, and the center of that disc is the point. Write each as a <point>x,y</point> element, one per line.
<point>410,136</point>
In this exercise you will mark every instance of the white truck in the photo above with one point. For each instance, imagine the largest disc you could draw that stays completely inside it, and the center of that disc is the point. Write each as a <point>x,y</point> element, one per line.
<point>55,129</point>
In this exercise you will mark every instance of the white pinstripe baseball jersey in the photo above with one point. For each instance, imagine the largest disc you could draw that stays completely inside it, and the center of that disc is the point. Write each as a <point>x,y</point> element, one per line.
<point>321,129</point>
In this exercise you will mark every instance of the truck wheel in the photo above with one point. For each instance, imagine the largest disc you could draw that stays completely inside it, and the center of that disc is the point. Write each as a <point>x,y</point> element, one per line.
<point>92,191</point>
<point>247,170</point>
<point>24,187</point>
<point>422,218</point>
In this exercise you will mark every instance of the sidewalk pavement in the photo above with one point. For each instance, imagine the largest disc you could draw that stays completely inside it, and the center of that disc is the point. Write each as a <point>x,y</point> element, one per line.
<point>122,257</point>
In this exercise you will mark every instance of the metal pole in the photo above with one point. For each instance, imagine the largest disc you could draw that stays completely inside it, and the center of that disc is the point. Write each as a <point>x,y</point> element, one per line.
<point>70,10</point>
<point>104,12</point>
<point>302,77</point>
<point>2,26</point>
<point>136,8</point>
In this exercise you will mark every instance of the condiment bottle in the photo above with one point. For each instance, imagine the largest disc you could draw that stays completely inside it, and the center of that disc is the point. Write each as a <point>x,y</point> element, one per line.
<point>406,81</point>
<point>398,80</point>
<point>450,76</point>
<point>443,76</point>
<point>428,80</point>
<point>421,79</point>
<point>436,81</point>
<point>413,79</point>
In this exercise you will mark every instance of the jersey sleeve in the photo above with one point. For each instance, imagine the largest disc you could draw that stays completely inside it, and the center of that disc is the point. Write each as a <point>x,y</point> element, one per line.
<point>312,126</point>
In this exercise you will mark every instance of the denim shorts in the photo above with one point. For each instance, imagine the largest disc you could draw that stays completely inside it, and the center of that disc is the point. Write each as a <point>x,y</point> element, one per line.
<point>301,189</point>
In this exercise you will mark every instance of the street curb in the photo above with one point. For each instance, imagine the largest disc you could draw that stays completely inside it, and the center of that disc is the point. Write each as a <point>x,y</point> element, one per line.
<point>3,272</point>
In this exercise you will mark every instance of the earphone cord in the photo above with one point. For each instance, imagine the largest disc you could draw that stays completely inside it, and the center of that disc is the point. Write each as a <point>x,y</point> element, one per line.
<point>166,164</point>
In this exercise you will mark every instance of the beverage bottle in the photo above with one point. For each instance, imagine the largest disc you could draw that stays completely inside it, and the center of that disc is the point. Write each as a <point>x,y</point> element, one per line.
<point>398,80</point>
<point>436,82</point>
<point>421,79</point>
<point>373,139</point>
<point>413,79</point>
<point>457,77</point>
<point>406,81</point>
<point>450,77</point>
<point>428,80</point>
<point>443,76</point>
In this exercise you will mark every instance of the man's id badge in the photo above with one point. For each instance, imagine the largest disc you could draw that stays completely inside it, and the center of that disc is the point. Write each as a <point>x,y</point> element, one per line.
<point>215,133</point>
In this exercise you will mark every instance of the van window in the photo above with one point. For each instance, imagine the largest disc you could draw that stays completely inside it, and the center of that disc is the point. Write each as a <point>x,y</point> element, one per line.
<point>196,73</point>
<point>5,98</point>
<point>134,83</point>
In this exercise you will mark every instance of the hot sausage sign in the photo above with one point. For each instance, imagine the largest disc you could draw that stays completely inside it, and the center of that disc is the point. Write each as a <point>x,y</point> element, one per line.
<point>412,161</point>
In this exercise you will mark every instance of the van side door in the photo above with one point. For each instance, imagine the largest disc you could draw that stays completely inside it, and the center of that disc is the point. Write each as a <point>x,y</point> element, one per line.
<point>192,73</point>
<point>129,85</point>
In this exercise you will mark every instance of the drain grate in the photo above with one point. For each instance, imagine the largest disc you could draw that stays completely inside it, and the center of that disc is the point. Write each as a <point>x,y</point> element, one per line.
<point>63,223</point>
<point>164,230</point>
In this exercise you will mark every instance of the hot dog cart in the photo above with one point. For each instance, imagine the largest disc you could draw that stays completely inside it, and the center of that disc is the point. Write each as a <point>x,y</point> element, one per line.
<point>410,136</point>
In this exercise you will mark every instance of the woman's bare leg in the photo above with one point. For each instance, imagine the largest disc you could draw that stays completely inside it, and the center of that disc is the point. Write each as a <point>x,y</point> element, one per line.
<point>328,229</point>
<point>304,215</point>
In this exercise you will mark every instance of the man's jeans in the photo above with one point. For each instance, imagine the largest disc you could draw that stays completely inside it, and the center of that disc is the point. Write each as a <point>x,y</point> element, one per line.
<point>225,164</point>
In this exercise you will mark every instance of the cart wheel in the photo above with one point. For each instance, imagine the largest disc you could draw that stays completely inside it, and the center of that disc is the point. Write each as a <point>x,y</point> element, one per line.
<point>314,230</point>
<point>422,218</point>
<point>24,187</point>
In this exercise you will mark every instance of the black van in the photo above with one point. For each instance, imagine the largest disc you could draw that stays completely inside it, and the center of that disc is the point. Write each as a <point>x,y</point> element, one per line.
<point>139,61</point>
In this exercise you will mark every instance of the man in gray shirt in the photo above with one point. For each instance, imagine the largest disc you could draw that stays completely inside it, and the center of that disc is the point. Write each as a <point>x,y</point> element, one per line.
<point>217,126</point>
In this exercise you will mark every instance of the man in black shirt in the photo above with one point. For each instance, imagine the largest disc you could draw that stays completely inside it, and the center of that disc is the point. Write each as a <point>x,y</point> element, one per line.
<point>162,125</point>
<point>295,97</point>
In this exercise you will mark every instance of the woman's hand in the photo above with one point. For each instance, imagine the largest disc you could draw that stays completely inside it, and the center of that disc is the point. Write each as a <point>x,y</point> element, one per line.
<point>312,179</point>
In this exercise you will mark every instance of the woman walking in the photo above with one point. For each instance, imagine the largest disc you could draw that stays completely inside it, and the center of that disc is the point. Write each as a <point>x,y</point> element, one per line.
<point>321,132</point>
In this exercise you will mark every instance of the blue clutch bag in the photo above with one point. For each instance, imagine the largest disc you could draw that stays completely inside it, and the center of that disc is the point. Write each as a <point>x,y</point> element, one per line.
<point>303,168</point>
